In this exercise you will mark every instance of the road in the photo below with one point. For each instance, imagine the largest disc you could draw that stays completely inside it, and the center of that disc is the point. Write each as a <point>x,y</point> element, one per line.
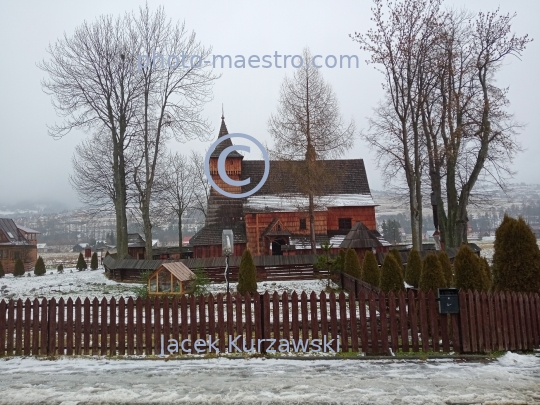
<point>510,379</point>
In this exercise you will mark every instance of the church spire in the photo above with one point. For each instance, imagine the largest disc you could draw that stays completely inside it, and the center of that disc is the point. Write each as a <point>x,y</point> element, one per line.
<point>223,129</point>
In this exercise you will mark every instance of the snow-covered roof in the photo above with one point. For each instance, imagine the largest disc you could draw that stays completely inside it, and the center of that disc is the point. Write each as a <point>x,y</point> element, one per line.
<point>27,230</point>
<point>295,202</point>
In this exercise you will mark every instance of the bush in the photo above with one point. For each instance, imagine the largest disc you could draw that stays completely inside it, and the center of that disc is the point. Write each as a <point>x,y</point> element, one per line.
<point>141,291</point>
<point>413,269</point>
<point>399,261</point>
<point>60,268</point>
<point>2,272</point>
<point>516,260</point>
<point>371,273</point>
<point>39,268</point>
<point>468,270</point>
<point>352,264</point>
<point>432,276</point>
<point>19,268</point>
<point>94,262</point>
<point>247,274</point>
<point>200,282</point>
<point>391,278</point>
<point>81,263</point>
<point>446,268</point>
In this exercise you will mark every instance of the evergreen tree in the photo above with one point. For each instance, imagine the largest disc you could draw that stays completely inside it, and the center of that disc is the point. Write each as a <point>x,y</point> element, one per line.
<point>486,273</point>
<point>371,273</point>
<point>446,268</point>
<point>81,263</point>
<point>413,269</point>
<point>39,268</point>
<point>19,268</point>
<point>247,274</point>
<point>94,261</point>
<point>516,260</point>
<point>2,272</point>
<point>339,262</point>
<point>432,276</point>
<point>60,268</point>
<point>352,264</point>
<point>391,276</point>
<point>468,270</point>
<point>399,261</point>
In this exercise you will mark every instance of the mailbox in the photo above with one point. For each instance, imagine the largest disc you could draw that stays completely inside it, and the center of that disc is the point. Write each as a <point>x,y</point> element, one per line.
<point>448,300</point>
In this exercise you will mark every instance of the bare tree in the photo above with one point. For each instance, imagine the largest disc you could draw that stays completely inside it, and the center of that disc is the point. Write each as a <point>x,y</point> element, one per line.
<point>179,194</point>
<point>400,44</point>
<point>174,96</point>
<point>94,87</point>
<point>439,69</point>
<point>93,172</point>
<point>308,127</point>
<point>201,186</point>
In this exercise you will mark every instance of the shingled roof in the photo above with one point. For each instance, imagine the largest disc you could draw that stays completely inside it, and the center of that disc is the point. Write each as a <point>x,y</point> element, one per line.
<point>226,143</point>
<point>211,234</point>
<point>360,237</point>
<point>12,233</point>
<point>348,177</point>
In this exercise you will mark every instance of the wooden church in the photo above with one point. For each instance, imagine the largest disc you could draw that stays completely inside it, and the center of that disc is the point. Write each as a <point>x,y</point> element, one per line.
<point>274,220</point>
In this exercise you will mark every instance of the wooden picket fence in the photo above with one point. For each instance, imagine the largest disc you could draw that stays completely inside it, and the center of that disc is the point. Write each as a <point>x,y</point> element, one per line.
<point>373,323</point>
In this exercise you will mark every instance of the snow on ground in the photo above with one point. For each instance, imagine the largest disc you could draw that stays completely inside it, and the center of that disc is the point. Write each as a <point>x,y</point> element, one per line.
<point>280,286</point>
<point>73,283</point>
<point>512,379</point>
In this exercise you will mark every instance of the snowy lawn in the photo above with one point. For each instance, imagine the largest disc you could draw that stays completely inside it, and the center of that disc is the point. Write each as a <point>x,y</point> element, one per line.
<point>511,379</point>
<point>73,283</point>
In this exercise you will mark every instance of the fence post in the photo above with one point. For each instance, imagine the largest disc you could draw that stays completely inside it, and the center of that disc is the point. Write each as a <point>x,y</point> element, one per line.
<point>263,346</point>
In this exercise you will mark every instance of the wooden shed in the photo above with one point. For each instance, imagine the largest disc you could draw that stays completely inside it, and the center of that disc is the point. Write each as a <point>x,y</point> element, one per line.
<point>170,278</point>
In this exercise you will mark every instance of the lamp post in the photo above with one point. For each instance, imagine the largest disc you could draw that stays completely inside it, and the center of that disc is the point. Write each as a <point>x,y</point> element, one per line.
<point>227,244</point>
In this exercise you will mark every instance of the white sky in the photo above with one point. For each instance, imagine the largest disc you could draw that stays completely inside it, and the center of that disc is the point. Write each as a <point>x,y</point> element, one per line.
<point>33,166</point>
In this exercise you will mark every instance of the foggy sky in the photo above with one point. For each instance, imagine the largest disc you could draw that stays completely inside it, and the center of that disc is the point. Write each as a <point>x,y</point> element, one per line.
<point>36,167</point>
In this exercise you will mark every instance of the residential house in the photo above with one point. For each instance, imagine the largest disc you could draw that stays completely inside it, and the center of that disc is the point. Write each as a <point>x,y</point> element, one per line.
<point>17,242</point>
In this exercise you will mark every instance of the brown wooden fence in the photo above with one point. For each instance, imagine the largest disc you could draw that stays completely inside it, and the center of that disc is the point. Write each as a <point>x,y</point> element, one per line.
<point>370,323</point>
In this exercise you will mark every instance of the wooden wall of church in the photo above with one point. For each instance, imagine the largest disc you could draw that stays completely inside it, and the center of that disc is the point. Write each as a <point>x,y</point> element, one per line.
<point>364,214</point>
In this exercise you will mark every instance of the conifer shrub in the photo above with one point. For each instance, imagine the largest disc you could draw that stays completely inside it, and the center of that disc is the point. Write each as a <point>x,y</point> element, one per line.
<point>469,274</point>
<point>352,264</point>
<point>2,272</point>
<point>446,268</point>
<point>247,274</point>
<point>391,277</point>
<point>339,262</point>
<point>486,273</point>
<point>60,268</point>
<point>399,261</point>
<point>432,276</point>
<point>19,268</point>
<point>39,268</point>
<point>516,260</point>
<point>413,269</point>
<point>371,273</point>
<point>94,262</point>
<point>81,263</point>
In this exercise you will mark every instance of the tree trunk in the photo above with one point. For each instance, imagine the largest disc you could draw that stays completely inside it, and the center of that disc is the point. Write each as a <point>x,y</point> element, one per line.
<point>312,224</point>
<point>147,227</point>
<point>180,236</point>
<point>120,201</point>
